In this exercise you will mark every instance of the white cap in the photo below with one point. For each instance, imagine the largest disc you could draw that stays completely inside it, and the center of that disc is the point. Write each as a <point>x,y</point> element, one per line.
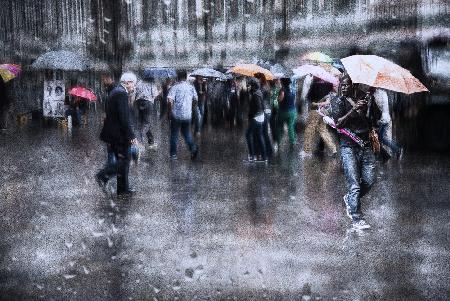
<point>128,77</point>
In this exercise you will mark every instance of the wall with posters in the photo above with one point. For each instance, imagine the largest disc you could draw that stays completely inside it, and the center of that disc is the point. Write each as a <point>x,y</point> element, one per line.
<point>54,93</point>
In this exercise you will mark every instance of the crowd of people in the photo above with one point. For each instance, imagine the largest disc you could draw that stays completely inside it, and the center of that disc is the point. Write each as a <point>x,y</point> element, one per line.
<point>351,119</point>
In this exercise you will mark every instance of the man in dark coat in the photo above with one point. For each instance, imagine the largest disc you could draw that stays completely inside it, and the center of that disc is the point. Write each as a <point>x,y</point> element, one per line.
<point>118,133</point>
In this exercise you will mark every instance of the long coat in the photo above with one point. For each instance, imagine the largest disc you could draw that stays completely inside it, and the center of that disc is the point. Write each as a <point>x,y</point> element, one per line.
<point>117,128</point>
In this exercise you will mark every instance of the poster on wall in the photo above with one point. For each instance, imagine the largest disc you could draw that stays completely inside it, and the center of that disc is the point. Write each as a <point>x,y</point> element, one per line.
<point>54,93</point>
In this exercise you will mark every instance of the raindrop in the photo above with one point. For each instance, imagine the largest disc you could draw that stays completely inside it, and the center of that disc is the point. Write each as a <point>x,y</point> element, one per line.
<point>69,245</point>
<point>189,272</point>
<point>97,234</point>
<point>85,270</point>
<point>114,229</point>
<point>101,221</point>
<point>69,276</point>
<point>110,242</point>
<point>176,286</point>
<point>40,287</point>
<point>156,290</point>
<point>71,263</point>
<point>83,246</point>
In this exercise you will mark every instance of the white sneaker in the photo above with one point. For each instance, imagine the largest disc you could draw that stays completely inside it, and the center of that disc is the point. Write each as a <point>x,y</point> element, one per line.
<point>304,154</point>
<point>360,224</point>
<point>153,146</point>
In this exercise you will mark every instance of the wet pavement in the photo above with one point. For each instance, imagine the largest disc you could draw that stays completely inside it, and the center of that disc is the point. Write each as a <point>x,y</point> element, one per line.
<point>214,229</point>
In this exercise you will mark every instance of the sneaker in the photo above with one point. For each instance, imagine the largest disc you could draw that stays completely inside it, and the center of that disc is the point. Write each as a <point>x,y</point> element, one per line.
<point>249,159</point>
<point>360,224</point>
<point>101,181</point>
<point>304,154</point>
<point>400,154</point>
<point>126,193</point>
<point>154,145</point>
<point>261,160</point>
<point>136,155</point>
<point>194,154</point>
<point>347,206</point>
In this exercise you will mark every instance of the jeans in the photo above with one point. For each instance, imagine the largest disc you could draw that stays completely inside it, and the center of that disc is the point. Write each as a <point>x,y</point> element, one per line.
<point>359,171</point>
<point>385,136</point>
<point>267,141</point>
<point>118,164</point>
<point>198,117</point>
<point>255,132</point>
<point>184,125</point>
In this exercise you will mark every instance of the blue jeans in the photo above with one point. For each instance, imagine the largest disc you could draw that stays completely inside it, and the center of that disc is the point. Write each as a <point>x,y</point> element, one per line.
<point>359,171</point>
<point>255,132</point>
<point>386,140</point>
<point>175,126</point>
<point>198,117</point>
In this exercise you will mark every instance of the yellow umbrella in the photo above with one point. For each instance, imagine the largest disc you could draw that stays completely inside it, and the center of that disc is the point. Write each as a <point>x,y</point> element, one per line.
<point>378,72</point>
<point>251,70</point>
<point>317,57</point>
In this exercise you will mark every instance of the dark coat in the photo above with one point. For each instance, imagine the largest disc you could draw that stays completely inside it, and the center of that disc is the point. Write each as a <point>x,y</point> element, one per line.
<point>117,128</point>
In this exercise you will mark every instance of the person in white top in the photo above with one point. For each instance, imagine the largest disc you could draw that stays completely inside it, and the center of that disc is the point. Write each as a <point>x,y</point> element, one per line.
<point>146,92</point>
<point>385,124</point>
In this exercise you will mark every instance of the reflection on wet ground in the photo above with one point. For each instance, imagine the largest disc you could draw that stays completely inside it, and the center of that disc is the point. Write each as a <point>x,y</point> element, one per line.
<point>214,229</point>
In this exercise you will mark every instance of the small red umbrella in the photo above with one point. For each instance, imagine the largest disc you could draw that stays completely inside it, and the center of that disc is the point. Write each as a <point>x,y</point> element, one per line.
<point>83,93</point>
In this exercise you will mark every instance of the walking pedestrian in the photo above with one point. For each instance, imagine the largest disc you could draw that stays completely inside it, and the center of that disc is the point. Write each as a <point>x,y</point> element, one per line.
<point>117,132</point>
<point>182,98</point>
<point>254,133</point>
<point>385,123</point>
<point>358,162</point>
<point>146,92</point>
<point>201,88</point>
<point>266,91</point>
<point>287,113</point>
<point>4,105</point>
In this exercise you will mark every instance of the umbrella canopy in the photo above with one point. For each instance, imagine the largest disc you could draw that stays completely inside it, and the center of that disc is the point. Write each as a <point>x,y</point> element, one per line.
<point>251,70</point>
<point>279,71</point>
<point>9,71</point>
<point>159,73</point>
<point>378,72</point>
<point>61,60</point>
<point>208,72</point>
<point>316,71</point>
<point>317,57</point>
<point>83,93</point>
<point>330,69</point>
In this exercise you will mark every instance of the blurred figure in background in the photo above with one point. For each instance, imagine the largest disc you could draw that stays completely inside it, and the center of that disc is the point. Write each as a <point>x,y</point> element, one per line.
<point>146,92</point>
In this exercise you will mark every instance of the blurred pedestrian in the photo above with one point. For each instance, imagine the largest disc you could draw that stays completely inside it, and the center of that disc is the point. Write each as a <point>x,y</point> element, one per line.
<point>266,91</point>
<point>182,99</point>
<point>117,132</point>
<point>201,87</point>
<point>287,113</point>
<point>165,87</point>
<point>146,92</point>
<point>385,124</point>
<point>254,134</point>
<point>4,105</point>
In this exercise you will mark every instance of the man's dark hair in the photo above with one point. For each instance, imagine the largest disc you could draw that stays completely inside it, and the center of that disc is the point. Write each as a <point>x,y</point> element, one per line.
<point>181,74</point>
<point>285,81</point>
